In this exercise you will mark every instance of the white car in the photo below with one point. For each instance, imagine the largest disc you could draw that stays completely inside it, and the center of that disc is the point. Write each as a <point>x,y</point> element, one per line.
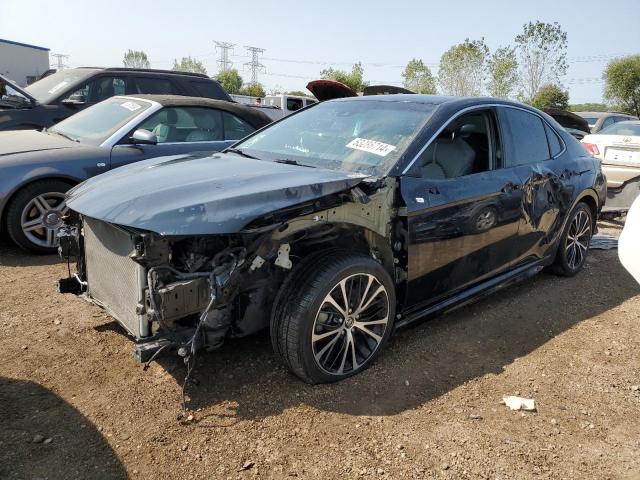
<point>618,147</point>
<point>628,251</point>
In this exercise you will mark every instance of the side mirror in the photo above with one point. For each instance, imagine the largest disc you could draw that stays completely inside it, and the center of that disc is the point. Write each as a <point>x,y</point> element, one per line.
<point>144,137</point>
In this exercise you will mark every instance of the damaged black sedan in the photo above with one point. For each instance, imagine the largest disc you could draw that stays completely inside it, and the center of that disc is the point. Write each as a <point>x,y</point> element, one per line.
<point>333,226</point>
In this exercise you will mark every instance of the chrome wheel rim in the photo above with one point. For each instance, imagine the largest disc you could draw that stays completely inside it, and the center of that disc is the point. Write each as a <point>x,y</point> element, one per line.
<point>350,324</point>
<point>41,218</point>
<point>578,238</point>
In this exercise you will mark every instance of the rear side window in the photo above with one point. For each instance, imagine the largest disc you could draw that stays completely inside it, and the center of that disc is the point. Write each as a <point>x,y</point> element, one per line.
<point>607,121</point>
<point>160,86</point>
<point>525,137</point>
<point>234,127</point>
<point>209,90</point>
<point>555,145</point>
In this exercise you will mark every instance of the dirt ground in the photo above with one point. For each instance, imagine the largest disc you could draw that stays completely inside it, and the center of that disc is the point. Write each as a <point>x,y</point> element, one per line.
<point>75,404</point>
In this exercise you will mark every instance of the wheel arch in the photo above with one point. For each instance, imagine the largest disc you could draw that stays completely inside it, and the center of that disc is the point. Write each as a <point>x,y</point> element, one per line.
<point>72,181</point>
<point>345,236</point>
<point>590,198</point>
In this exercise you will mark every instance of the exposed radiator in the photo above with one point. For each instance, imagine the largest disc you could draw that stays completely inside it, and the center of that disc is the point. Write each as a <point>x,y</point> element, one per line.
<point>115,282</point>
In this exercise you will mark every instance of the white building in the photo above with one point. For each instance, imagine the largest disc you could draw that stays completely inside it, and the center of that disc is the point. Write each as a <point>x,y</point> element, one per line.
<point>22,63</point>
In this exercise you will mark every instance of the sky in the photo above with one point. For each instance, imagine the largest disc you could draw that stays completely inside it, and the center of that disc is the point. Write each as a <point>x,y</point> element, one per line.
<point>300,38</point>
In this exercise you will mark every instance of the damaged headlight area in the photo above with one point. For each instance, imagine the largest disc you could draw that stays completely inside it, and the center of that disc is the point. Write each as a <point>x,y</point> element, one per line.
<point>186,293</point>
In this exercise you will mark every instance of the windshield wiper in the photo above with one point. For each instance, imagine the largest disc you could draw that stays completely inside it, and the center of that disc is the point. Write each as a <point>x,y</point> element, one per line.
<point>68,137</point>
<point>241,152</point>
<point>288,161</point>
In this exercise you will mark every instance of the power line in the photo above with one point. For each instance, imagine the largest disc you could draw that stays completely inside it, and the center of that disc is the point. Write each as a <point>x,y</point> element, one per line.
<point>224,47</point>
<point>255,64</point>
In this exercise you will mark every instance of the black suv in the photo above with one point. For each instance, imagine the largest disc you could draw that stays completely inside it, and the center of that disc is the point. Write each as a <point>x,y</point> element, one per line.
<point>60,95</point>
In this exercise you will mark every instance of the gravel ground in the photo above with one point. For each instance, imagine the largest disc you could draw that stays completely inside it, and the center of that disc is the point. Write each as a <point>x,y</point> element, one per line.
<point>75,404</point>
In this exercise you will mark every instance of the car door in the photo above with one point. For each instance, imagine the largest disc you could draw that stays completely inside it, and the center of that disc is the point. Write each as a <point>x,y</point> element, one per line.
<point>532,149</point>
<point>463,209</point>
<point>179,130</point>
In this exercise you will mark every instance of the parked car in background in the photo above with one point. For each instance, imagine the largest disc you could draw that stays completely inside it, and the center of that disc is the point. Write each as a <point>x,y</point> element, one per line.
<point>332,226</point>
<point>600,120</point>
<point>276,106</point>
<point>61,94</point>
<point>628,251</point>
<point>572,123</point>
<point>618,148</point>
<point>332,89</point>
<point>288,103</point>
<point>37,168</point>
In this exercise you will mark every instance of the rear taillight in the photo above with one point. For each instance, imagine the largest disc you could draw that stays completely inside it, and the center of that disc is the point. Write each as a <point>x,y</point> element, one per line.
<point>591,148</point>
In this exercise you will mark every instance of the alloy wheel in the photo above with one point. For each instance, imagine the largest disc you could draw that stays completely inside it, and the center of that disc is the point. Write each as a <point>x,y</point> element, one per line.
<point>486,220</point>
<point>42,216</point>
<point>350,324</point>
<point>578,238</point>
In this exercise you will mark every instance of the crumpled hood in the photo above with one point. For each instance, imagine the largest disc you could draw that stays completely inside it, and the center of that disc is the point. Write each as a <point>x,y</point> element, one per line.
<point>199,195</point>
<point>24,141</point>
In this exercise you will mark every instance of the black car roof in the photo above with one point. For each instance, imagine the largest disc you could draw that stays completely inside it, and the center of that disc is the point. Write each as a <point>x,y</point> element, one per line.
<point>147,70</point>
<point>432,100</point>
<point>251,115</point>
<point>451,103</point>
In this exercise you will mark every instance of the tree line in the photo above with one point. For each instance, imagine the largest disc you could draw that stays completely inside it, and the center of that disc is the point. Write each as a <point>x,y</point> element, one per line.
<point>530,70</point>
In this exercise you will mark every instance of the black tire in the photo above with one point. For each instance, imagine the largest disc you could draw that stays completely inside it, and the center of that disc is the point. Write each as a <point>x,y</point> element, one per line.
<point>302,302</point>
<point>18,204</point>
<point>571,256</point>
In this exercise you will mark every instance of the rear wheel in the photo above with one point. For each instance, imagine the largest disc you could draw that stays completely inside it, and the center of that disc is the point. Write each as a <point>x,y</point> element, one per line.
<point>336,319</point>
<point>575,240</point>
<point>35,213</point>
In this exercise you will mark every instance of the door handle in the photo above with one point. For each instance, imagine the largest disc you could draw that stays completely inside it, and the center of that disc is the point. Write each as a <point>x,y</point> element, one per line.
<point>566,173</point>
<point>434,191</point>
<point>510,187</point>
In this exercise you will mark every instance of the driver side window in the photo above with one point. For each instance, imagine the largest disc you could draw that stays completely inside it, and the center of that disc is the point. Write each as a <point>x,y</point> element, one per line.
<point>186,124</point>
<point>466,146</point>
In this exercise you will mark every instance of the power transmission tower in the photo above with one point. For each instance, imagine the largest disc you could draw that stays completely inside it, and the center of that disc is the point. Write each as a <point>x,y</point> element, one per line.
<point>255,64</point>
<point>224,47</point>
<point>60,57</point>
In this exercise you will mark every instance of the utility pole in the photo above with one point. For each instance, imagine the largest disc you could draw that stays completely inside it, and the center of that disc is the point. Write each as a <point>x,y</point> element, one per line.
<point>224,47</point>
<point>60,57</point>
<point>254,63</point>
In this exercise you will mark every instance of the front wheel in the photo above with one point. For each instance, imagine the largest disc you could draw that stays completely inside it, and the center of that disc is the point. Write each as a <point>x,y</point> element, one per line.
<point>35,213</point>
<point>337,318</point>
<point>575,240</point>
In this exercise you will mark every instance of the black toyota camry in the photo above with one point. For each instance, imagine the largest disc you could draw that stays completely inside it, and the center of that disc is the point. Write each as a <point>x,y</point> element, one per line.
<point>333,226</point>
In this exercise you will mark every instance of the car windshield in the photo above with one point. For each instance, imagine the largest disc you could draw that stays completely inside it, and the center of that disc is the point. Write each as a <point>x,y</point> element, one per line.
<point>10,97</point>
<point>51,86</point>
<point>591,120</point>
<point>622,128</point>
<point>97,123</point>
<point>363,136</point>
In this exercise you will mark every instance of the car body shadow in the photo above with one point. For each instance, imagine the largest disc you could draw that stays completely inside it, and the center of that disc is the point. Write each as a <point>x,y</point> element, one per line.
<point>245,380</point>
<point>76,449</point>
